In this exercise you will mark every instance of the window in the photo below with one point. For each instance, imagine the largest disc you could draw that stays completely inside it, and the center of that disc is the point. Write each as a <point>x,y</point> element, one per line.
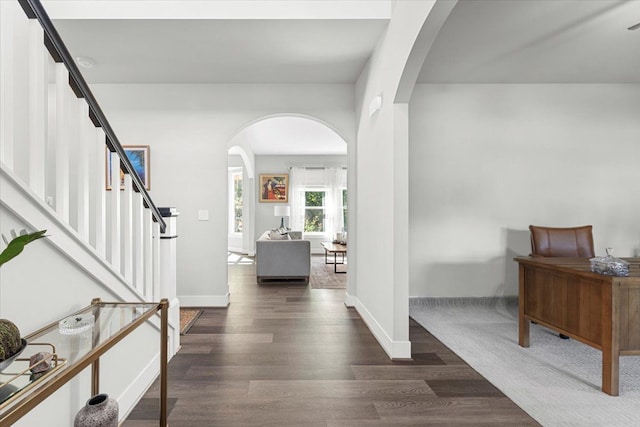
<point>314,215</point>
<point>318,201</point>
<point>235,200</point>
<point>237,203</point>
<point>344,209</point>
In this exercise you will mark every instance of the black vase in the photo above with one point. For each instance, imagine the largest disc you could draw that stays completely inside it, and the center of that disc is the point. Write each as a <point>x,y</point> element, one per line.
<point>100,411</point>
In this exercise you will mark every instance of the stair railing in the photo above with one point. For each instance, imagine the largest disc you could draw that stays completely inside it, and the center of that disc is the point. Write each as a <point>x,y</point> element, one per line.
<point>54,120</point>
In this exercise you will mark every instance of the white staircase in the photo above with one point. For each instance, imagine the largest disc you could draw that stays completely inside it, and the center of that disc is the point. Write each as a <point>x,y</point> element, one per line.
<point>54,143</point>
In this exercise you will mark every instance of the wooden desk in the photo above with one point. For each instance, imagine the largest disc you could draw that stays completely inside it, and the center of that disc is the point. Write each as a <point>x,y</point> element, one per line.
<point>601,311</point>
<point>335,249</point>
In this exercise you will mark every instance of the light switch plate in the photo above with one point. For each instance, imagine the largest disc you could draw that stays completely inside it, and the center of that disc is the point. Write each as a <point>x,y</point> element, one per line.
<point>203,215</point>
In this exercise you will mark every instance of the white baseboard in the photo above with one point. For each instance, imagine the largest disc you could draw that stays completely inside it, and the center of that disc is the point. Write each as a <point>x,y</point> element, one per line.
<point>132,395</point>
<point>350,300</point>
<point>394,349</point>
<point>204,300</point>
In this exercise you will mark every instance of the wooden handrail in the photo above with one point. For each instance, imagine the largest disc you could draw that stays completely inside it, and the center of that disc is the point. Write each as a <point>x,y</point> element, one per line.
<point>34,10</point>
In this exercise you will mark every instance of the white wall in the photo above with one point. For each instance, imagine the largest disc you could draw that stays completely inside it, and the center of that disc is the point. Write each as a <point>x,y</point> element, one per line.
<point>188,128</point>
<point>381,229</point>
<point>42,285</point>
<point>281,164</point>
<point>488,160</point>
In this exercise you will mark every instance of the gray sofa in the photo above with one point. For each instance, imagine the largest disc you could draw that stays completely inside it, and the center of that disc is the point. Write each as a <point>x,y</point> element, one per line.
<point>279,260</point>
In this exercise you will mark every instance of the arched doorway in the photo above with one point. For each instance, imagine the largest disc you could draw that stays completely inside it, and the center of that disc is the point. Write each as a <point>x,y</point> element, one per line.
<point>284,145</point>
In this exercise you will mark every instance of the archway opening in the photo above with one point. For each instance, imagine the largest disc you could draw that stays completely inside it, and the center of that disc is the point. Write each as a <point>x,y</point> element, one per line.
<point>304,156</point>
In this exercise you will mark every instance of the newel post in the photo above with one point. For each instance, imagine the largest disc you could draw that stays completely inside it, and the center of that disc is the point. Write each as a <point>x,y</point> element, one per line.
<point>168,275</point>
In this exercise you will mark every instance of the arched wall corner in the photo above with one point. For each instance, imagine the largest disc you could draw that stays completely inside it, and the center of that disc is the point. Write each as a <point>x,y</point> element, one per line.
<point>427,35</point>
<point>246,159</point>
<point>382,165</point>
<point>248,233</point>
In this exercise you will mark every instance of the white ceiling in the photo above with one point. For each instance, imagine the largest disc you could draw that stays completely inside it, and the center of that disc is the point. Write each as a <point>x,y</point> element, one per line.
<point>222,51</point>
<point>329,41</point>
<point>537,41</point>
<point>319,41</point>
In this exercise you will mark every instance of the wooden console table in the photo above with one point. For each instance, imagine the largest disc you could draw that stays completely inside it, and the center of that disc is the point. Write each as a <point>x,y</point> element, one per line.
<point>73,353</point>
<point>601,311</point>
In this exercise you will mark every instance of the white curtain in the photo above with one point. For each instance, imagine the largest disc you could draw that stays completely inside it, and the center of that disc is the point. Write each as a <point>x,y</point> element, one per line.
<point>330,180</point>
<point>297,178</point>
<point>335,180</point>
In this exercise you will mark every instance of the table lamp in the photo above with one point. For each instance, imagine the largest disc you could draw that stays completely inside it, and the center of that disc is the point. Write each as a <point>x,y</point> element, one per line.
<point>281,211</point>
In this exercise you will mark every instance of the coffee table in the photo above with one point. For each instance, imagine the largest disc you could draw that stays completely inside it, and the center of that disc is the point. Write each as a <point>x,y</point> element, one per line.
<point>335,249</point>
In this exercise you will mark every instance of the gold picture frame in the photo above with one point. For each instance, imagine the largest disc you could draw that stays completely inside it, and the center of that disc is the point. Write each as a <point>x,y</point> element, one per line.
<point>274,188</point>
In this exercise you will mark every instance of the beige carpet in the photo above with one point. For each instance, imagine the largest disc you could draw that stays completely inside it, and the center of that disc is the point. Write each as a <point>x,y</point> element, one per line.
<point>555,381</point>
<point>322,275</point>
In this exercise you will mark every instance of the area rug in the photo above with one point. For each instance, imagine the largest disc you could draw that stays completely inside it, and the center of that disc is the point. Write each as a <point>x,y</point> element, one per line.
<point>188,317</point>
<point>555,381</point>
<point>323,276</point>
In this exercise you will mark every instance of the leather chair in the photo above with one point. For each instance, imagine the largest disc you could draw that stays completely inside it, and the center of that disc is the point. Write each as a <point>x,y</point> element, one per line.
<point>562,242</point>
<point>575,242</point>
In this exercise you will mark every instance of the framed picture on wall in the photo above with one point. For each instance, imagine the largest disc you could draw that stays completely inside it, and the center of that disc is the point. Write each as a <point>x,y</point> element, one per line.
<point>274,188</point>
<point>139,157</point>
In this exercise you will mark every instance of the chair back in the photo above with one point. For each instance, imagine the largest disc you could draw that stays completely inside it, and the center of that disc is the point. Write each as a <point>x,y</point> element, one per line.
<point>562,242</point>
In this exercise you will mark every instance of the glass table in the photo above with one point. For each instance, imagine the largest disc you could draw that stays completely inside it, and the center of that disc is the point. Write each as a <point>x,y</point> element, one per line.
<point>76,342</point>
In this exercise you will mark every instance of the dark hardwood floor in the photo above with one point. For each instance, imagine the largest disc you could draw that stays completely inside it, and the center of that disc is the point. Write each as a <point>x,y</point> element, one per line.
<point>288,355</point>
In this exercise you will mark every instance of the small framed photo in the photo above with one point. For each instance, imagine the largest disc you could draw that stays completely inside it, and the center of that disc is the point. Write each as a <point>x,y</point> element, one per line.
<point>274,188</point>
<point>139,157</point>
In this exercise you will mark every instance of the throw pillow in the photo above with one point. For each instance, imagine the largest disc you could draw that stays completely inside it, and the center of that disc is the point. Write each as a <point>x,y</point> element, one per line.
<point>275,235</point>
<point>295,235</point>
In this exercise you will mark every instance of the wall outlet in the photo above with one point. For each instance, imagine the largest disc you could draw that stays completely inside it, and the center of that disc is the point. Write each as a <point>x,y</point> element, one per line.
<point>203,215</point>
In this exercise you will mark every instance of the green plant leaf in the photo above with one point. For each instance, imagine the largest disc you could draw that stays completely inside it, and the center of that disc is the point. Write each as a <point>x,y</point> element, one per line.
<point>16,246</point>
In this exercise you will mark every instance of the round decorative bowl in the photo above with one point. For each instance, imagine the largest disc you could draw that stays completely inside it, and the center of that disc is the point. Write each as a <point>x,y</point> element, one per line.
<point>6,362</point>
<point>77,324</point>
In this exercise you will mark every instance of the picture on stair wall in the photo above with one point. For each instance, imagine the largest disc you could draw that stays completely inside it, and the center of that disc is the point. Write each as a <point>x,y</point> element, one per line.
<point>139,157</point>
<point>274,188</point>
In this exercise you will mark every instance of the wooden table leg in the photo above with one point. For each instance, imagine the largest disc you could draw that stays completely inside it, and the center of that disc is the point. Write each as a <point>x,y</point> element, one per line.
<point>610,344</point>
<point>523,323</point>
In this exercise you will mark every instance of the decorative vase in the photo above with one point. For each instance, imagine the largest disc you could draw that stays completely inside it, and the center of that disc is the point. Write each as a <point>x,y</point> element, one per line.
<point>100,411</point>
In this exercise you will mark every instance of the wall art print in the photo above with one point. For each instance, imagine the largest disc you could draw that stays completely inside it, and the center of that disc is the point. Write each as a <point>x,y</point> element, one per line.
<point>274,188</point>
<point>139,157</point>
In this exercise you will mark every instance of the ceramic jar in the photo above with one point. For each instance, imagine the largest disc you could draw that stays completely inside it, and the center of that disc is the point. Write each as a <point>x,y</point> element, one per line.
<point>100,411</point>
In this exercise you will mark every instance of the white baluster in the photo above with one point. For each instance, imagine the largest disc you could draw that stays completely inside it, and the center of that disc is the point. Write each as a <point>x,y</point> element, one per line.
<point>138,258</point>
<point>6,82</point>
<point>38,94</point>
<point>99,189</point>
<point>73,131</point>
<point>127,226</point>
<point>148,254</point>
<point>62,142</point>
<point>157,282</point>
<point>115,212</point>
<point>21,73</point>
<point>86,135</point>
